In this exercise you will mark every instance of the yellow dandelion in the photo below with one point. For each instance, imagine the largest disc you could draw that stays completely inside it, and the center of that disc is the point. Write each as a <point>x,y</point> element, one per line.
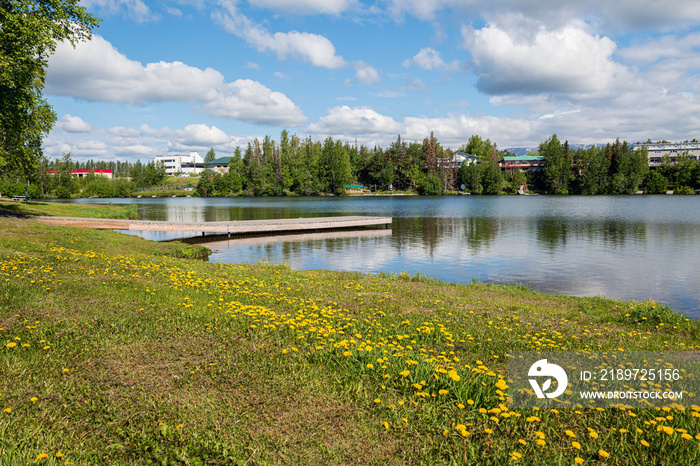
<point>533,419</point>
<point>687,436</point>
<point>404,373</point>
<point>541,442</point>
<point>576,445</point>
<point>386,425</point>
<point>59,454</point>
<point>442,392</point>
<point>377,400</point>
<point>522,441</point>
<point>539,434</point>
<point>488,431</point>
<point>603,453</point>
<point>470,402</point>
<point>42,456</point>
<point>7,410</point>
<point>570,434</point>
<point>593,433</point>
<point>578,460</point>
<point>11,345</point>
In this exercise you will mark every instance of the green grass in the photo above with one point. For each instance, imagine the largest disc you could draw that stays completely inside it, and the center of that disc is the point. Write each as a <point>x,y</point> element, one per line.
<point>136,356</point>
<point>69,210</point>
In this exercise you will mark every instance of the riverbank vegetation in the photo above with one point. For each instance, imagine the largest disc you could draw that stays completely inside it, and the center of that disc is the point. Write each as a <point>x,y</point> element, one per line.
<point>294,166</point>
<point>116,351</point>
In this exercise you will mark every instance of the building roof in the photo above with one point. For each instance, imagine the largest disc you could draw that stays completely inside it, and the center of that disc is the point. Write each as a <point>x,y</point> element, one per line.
<point>524,158</point>
<point>219,161</point>
<point>354,186</point>
<point>92,170</point>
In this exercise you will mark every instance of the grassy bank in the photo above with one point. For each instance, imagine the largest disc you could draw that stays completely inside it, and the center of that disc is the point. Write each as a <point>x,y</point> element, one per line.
<point>115,351</point>
<point>68,210</point>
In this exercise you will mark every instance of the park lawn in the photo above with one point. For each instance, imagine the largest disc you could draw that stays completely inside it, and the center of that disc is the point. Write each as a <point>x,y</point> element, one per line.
<point>57,209</point>
<point>117,350</point>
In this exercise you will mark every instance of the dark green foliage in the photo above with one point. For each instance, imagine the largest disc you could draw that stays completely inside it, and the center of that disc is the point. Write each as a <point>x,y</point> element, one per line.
<point>29,32</point>
<point>430,185</point>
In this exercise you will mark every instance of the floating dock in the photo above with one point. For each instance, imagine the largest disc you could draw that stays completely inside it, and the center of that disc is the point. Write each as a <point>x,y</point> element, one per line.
<point>231,228</point>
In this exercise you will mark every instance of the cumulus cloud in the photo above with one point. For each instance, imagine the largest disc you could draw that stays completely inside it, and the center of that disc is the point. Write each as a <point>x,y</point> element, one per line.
<point>430,59</point>
<point>365,73</point>
<point>313,48</point>
<point>332,7</point>
<point>97,71</point>
<point>249,100</point>
<point>73,124</point>
<point>143,142</point>
<point>632,14</point>
<point>568,60</point>
<point>354,121</point>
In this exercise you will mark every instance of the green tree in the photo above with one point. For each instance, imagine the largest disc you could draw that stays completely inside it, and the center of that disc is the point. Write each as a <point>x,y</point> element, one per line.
<point>210,156</point>
<point>557,165</point>
<point>29,32</point>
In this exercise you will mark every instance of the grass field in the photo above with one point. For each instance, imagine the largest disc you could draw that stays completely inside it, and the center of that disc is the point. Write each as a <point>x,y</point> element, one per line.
<point>117,350</point>
<point>69,210</point>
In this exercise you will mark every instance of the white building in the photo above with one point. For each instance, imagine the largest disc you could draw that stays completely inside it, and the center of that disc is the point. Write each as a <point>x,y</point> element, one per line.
<point>185,164</point>
<point>672,149</point>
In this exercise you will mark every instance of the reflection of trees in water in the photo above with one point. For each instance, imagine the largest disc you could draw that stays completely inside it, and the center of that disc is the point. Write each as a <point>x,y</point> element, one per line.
<point>554,233</point>
<point>428,233</point>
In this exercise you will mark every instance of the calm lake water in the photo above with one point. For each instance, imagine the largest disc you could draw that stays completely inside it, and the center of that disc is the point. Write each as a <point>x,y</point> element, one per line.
<point>630,247</point>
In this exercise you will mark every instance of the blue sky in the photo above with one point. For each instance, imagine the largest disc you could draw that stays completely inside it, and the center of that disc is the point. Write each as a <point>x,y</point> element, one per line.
<point>174,76</point>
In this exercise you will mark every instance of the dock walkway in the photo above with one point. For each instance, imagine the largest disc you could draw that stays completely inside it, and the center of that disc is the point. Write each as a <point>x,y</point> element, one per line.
<point>235,227</point>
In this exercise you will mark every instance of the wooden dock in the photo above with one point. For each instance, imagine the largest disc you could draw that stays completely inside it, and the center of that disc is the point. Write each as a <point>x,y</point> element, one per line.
<point>235,227</point>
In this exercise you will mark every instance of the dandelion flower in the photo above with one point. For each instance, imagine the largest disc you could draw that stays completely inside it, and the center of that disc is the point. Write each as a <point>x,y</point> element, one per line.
<point>11,345</point>
<point>7,410</point>
<point>404,373</point>
<point>42,456</point>
<point>570,434</point>
<point>578,460</point>
<point>576,445</point>
<point>603,453</point>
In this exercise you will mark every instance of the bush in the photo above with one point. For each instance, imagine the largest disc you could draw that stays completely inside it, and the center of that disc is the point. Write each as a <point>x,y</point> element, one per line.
<point>61,192</point>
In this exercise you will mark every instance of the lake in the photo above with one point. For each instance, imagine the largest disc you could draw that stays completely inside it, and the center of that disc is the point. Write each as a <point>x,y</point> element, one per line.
<point>629,247</point>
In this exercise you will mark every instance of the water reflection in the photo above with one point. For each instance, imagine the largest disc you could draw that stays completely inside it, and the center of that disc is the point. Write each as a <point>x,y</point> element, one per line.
<point>634,247</point>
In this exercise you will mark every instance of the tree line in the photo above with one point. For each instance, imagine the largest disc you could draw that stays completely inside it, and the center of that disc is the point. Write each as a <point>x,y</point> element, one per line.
<point>296,166</point>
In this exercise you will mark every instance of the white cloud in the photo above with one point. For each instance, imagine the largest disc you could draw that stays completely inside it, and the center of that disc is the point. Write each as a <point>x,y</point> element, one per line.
<point>332,7</point>
<point>568,61</point>
<point>353,122</point>
<point>252,66</point>
<point>142,143</point>
<point>365,73</point>
<point>430,59</point>
<point>666,47</point>
<point>73,124</point>
<point>632,14</point>
<point>250,101</point>
<point>134,9</point>
<point>97,71</point>
<point>313,48</point>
